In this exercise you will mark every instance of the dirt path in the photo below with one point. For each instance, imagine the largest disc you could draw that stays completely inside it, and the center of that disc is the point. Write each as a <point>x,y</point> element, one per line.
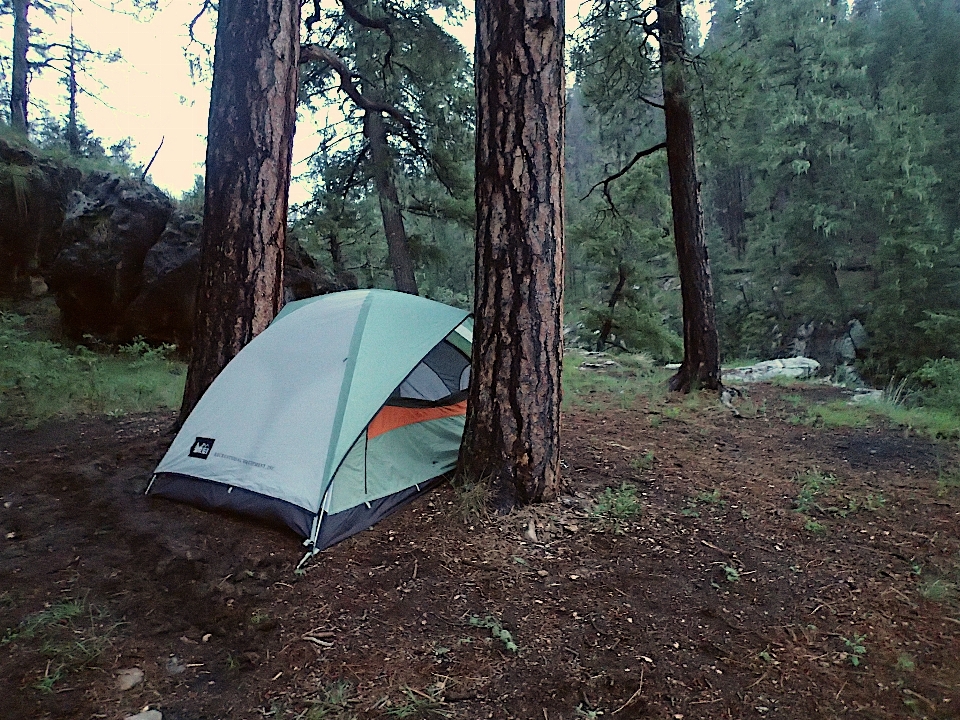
<point>776,570</point>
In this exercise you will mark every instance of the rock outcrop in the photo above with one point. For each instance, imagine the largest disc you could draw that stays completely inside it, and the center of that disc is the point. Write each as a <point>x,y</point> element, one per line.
<point>163,310</point>
<point>119,260</point>
<point>33,199</point>
<point>110,225</point>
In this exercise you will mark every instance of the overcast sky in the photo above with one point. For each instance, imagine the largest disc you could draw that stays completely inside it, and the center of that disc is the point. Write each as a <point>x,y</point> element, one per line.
<point>149,94</point>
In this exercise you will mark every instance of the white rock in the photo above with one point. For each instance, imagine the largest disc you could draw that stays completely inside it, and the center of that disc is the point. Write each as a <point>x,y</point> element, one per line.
<point>129,678</point>
<point>146,715</point>
<point>798,367</point>
<point>531,532</point>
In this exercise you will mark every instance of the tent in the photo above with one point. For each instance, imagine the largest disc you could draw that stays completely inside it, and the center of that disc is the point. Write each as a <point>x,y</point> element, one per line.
<point>347,406</point>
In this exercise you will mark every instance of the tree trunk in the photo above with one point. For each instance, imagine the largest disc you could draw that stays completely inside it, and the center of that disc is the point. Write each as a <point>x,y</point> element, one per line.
<point>607,327</point>
<point>701,346</point>
<point>21,69</point>
<point>73,132</point>
<point>511,439</point>
<point>249,144</point>
<point>398,246</point>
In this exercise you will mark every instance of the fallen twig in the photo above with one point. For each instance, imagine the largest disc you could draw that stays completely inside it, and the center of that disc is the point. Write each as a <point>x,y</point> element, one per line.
<point>634,696</point>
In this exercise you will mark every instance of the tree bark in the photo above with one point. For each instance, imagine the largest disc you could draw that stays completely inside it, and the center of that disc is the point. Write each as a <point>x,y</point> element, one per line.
<point>701,347</point>
<point>249,146</point>
<point>398,247</point>
<point>21,69</point>
<point>511,439</point>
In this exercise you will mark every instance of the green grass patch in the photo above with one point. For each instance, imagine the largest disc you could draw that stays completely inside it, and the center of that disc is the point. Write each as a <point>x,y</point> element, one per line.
<point>937,590</point>
<point>332,702</point>
<point>72,634</point>
<point>615,506</point>
<point>704,498</point>
<point>948,481</point>
<point>590,383</point>
<point>41,379</point>
<point>933,422</point>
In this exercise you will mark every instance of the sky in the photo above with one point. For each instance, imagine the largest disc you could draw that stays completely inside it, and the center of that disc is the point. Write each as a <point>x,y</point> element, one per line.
<point>150,94</point>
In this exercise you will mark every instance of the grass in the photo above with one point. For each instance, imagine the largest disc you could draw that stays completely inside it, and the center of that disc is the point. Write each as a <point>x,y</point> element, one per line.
<point>331,703</point>
<point>41,379</point>
<point>472,497</point>
<point>72,634</point>
<point>645,462</point>
<point>621,383</point>
<point>906,662</point>
<point>948,481</point>
<point>813,483</point>
<point>937,590</point>
<point>614,507</point>
<point>420,704</point>
<point>892,407</point>
<point>711,498</point>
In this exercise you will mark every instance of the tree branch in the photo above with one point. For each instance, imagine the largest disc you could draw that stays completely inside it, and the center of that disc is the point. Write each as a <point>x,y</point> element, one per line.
<point>312,52</point>
<point>605,183</point>
<point>650,102</point>
<point>143,177</point>
<point>207,5</point>
<point>368,22</point>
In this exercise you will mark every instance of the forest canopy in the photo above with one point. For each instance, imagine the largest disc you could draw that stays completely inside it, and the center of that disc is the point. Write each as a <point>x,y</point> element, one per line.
<point>826,145</point>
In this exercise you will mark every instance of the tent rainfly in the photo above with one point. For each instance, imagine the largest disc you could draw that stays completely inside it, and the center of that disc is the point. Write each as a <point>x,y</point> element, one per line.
<point>347,406</point>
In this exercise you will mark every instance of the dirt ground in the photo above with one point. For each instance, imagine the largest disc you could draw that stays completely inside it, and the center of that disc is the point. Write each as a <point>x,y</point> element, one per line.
<point>751,584</point>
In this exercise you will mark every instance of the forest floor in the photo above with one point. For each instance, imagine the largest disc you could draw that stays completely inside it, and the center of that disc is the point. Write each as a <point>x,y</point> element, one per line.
<point>776,568</point>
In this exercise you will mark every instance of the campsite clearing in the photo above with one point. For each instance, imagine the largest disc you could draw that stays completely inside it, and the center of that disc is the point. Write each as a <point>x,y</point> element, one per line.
<point>698,565</point>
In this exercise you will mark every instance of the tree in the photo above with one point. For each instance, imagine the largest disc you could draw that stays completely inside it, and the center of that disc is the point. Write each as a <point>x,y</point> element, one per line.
<point>249,146</point>
<point>402,81</point>
<point>701,344</point>
<point>618,41</point>
<point>21,68</point>
<point>34,52</point>
<point>511,438</point>
<point>624,252</point>
<point>844,216</point>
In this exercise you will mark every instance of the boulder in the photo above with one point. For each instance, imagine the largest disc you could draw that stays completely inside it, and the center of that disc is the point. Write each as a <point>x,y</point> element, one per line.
<point>832,345</point>
<point>110,225</point>
<point>797,367</point>
<point>127,265</point>
<point>163,310</point>
<point>33,199</point>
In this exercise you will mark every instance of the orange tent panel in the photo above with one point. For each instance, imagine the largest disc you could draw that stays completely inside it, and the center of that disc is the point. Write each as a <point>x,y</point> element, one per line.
<point>390,417</point>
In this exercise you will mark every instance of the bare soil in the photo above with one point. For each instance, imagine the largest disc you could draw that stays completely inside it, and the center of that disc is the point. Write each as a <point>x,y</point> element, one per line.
<point>721,599</point>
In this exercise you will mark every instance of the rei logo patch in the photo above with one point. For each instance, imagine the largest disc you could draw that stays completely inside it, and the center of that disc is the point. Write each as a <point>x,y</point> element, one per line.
<point>201,448</point>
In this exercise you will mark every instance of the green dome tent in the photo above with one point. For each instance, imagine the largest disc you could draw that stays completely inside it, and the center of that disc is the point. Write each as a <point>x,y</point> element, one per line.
<point>347,406</point>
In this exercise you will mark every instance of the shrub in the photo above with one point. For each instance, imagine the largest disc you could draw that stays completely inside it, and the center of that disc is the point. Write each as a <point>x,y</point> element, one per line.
<point>938,384</point>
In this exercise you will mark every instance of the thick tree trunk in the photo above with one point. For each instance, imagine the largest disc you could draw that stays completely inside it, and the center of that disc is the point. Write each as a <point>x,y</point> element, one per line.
<point>511,440</point>
<point>398,246</point>
<point>21,69</point>
<point>249,144</point>
<point>701,347</point>
<point>607,327</point>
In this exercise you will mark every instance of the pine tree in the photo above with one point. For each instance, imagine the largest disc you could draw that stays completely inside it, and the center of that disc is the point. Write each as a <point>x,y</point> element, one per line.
<point>512,436</point>
<point>249,147</point>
